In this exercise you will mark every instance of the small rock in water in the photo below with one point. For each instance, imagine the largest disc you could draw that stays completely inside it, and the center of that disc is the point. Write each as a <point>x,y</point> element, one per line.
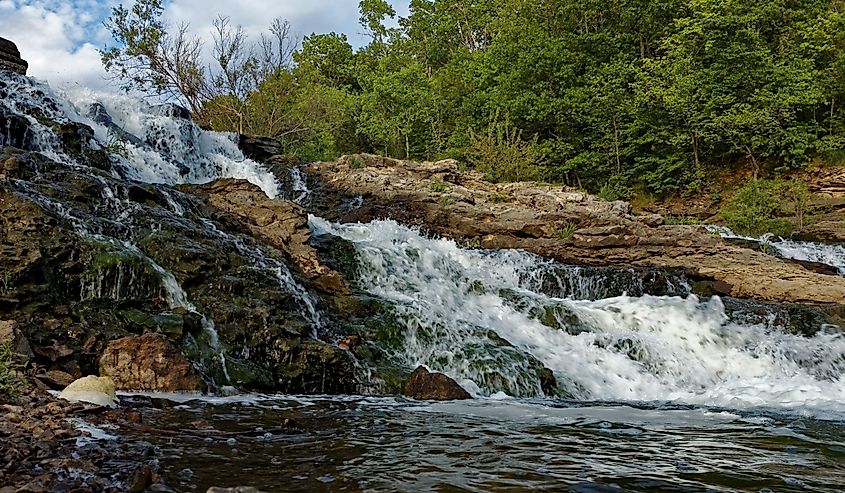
<point>91,389</point>
<point>425,385</point>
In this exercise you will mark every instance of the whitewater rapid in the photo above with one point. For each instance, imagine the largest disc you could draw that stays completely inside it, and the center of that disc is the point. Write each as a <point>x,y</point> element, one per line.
<point>624,348</point>
<point>148,143</point>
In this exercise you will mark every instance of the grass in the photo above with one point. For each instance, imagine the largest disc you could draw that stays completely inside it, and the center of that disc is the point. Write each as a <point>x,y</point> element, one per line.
<point>497,198</point>
<point>356,162</point>
<point>446,201</point>
<point>566,231</point>
<point>438,186</point>
<point>10,380</point>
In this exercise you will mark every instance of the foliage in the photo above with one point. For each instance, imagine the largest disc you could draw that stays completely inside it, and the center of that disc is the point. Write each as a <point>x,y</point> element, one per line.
<point>756,209</point>
<point>567,230</point>
<point>10,380</point>
<point>649,96</point>
<point>502,154</point>
<point>438,186</point>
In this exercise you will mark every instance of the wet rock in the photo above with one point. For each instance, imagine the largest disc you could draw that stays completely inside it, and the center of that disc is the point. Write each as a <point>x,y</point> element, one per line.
<point>11,335</point>
<point>10,57</point>
<point>259,148</point>
<point>539,218</point>
<point>280,223</point>
<point>148,362</point>
<point>237,489</point>
<point>425,385</point>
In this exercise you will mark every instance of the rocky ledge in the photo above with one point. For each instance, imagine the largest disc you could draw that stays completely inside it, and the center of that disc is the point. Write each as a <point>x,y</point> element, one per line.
<point>10,57</point>
<point>555,222</point>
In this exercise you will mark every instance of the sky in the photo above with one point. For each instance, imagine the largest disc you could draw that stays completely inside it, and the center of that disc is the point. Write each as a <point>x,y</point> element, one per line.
<point>60,38</point>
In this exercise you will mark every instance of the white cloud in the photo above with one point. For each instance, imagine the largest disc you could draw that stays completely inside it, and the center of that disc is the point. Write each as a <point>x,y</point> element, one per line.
<point>60,38</point>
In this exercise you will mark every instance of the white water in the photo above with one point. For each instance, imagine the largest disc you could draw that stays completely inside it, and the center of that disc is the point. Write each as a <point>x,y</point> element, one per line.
<point>624,348</point>
<point>170,150</point>
<point>832,255</point>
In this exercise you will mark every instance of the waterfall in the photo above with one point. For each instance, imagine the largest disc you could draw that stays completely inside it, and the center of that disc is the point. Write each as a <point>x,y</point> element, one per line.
<point>457,306</point>
<point>832,255</point>
<point>150,144</point>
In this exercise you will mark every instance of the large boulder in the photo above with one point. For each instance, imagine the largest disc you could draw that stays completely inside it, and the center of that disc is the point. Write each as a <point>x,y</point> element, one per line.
<point>148,362</point>
<point>10,57</point>
<point>426,385</point>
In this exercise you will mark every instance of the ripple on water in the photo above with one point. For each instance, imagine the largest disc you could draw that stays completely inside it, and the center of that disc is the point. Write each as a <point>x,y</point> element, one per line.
<point>375,444</point>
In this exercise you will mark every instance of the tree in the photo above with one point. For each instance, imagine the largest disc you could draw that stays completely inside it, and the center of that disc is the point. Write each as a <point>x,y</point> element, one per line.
<point>156,60</point>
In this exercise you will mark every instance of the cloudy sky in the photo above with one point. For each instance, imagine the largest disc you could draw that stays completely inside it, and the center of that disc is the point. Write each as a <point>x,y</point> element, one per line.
<point>60,38</point>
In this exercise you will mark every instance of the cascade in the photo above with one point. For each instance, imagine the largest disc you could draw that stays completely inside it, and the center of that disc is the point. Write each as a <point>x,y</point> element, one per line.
<point>832,255</point>
<point>448,300</point>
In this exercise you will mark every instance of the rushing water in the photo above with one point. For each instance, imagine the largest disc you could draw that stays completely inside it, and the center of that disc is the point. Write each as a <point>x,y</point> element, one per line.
<point>656,389</point>
<point>832,255</point>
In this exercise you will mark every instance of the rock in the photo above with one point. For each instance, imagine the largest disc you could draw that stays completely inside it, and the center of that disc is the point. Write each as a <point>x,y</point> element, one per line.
<point>10,57</point>
<point>280,223</point>
<point>148,362</point>
<point>11,335</point>
<point>537,217</point>
<point>56,379</point>
<point>259,148</point>
<point>425,385</point>
<point>91,389</point>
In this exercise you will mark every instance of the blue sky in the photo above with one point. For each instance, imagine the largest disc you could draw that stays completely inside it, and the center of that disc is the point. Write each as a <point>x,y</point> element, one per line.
<point>60,38</point>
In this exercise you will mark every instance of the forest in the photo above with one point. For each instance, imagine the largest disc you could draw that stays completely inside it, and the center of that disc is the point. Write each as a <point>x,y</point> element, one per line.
<point>613,96</point>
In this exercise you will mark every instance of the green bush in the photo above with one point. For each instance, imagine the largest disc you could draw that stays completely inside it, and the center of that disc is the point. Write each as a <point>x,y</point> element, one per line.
<point>502,154</point>
<point>757,208</point>
<point>10,380</point>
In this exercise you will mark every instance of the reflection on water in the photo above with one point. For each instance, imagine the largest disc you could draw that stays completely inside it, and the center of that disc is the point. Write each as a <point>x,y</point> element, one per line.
<point>385,444</point>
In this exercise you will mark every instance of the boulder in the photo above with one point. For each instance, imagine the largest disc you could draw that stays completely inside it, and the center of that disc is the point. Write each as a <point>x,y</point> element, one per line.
<point>259,148</point>
<point>148,362</point>
<point>11,335</point>
<point>91,389</point>
<point>10,57</point>
<point>426,385</point>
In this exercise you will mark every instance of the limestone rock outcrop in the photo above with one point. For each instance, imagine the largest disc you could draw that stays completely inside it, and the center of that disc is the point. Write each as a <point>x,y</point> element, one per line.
<point>10,57</point>
<point>280,223</point>
<point>569,226</point>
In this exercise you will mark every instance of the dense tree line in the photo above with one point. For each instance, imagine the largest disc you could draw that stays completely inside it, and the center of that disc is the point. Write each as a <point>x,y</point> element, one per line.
<point>612,95</point>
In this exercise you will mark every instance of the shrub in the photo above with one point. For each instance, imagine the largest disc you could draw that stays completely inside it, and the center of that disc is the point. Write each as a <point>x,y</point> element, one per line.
<point>502,154</point>
<point>356,162</point>
<point>756,209</point>
<point>446,201</point>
